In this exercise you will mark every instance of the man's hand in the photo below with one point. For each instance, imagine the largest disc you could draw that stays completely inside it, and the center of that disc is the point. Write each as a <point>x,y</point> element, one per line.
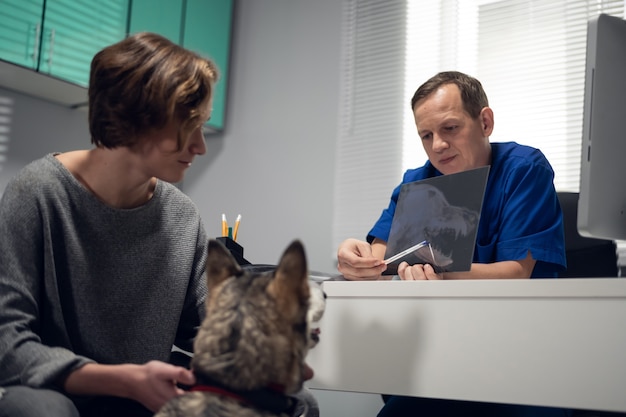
<point>356,261</point>
<point>417,272</point>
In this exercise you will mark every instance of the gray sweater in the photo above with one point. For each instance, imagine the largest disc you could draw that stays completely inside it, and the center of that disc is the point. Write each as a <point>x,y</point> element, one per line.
<point>81,281</point>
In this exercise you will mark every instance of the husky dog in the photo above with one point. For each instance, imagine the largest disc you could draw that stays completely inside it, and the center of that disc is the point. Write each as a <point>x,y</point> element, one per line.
<point>249,354</point>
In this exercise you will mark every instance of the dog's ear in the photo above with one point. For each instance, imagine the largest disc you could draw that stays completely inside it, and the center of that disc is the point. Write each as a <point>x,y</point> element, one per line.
<point>290,286</point>
<point>220,264</point>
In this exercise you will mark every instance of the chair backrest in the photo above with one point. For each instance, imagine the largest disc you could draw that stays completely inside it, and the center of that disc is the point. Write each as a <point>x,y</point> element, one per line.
<point>586,257</point>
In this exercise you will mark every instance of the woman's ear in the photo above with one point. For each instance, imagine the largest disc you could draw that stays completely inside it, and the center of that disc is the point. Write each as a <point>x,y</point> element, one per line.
<point>486,121</point>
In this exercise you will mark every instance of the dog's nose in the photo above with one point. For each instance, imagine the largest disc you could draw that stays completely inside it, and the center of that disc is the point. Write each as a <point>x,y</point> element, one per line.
<point>315,335</point>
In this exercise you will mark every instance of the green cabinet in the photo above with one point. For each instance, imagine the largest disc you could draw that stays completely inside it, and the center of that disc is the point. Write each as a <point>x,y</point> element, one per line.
<point>46,46</point>
<point>160,16</point>
<point>203,26</point>
<point>20,30</point>
<point>73,32</point>
<point>59,37</point>
<point>207,31</point>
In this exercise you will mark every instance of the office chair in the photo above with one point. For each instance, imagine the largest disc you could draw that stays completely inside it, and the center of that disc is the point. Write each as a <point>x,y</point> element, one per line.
<point>586,257</point>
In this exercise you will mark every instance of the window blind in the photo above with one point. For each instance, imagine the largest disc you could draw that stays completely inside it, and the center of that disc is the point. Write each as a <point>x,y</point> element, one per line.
<point>529,55</point>
<point>369,143</point>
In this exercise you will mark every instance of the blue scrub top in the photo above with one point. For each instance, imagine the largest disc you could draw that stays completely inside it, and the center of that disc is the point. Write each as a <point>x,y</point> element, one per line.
<point>520,211</point>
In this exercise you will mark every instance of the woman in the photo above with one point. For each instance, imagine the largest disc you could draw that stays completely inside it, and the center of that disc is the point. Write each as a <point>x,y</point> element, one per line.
<point>101,258</point>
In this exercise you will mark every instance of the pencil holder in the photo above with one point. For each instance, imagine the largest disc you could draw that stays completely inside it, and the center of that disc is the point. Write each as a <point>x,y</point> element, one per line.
<point>235,249</point>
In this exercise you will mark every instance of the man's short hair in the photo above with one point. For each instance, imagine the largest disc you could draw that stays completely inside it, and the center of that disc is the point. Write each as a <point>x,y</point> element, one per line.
<point>472,93</point>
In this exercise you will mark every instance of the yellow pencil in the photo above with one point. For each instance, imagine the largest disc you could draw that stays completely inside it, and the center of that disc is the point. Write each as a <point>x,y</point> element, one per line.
<point>236,227</point>
<point>224,226</point>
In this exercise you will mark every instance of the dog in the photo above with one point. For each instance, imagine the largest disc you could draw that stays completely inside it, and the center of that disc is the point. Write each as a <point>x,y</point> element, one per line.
<point>249,353</point>
<point>429,216</point>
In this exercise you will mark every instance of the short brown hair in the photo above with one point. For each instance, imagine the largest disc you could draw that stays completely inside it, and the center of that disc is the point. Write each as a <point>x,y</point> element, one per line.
<point>143,83</point>
<point>472,94</point>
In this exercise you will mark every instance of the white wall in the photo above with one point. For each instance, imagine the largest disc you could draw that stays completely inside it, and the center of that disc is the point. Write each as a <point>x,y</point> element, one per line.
<point>30,128</point>
<point>274,164</point>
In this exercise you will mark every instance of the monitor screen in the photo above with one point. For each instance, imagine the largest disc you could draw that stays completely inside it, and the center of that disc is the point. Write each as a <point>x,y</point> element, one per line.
<point>602,202</point>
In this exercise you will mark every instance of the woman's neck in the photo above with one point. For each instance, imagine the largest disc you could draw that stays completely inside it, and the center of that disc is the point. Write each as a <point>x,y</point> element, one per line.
<point>113,175</point>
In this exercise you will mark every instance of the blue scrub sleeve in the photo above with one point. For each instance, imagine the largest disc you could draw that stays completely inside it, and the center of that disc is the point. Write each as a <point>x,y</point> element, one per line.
<point>531,219</point>
<point>382,227</point>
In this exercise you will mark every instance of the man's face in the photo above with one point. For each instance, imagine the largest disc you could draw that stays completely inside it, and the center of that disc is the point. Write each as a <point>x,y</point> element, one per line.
<point>452,139</point>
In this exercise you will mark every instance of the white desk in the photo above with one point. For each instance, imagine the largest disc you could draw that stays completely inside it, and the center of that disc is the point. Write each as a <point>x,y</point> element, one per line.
<point>553,342</point>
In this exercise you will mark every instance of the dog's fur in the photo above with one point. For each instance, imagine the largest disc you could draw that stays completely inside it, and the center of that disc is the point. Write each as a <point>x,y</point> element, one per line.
<point>254,339</point>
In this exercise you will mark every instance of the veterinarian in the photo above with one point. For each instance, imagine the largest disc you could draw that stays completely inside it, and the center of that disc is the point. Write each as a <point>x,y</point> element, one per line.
<point>520,234</point>
<point>101,258</point>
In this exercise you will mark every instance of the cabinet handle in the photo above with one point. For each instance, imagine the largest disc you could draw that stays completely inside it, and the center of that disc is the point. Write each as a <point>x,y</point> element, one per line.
<point>51,49</point>
<point>35,54</point>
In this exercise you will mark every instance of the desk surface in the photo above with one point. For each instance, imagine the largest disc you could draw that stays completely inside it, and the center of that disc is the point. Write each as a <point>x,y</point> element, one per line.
<point>553,342</point>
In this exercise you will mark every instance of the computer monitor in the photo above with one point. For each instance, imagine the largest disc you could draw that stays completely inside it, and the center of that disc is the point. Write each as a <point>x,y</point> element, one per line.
<point>602,200</point>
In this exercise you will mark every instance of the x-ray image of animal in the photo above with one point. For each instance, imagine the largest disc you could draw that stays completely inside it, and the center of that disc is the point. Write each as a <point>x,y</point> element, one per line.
<point>425,214</point>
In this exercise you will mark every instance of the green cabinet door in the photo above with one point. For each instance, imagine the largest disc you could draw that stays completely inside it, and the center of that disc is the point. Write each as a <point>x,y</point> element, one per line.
<point>204,26</point>
<point>159,16</point>
<point>74,31</point>
<point>207,31</point>
<point>20,30</point>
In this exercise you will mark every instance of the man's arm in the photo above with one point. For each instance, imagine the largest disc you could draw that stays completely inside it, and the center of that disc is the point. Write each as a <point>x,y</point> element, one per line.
<point>358,260</point>
<point>518,269</point>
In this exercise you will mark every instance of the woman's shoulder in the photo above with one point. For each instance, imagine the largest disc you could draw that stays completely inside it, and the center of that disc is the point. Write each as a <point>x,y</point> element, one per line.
<point>37,173</point>
<point>172,196</point>
<point>31,187</point>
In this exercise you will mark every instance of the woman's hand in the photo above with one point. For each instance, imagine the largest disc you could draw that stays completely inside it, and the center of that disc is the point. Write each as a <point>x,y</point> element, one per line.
<point>151,384</point>
<point>156,383</point>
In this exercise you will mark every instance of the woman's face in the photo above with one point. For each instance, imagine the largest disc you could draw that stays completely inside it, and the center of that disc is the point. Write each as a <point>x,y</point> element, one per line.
<point>162,159</point>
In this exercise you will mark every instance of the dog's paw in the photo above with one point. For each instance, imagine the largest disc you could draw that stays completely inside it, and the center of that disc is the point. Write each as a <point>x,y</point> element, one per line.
<point>317,305</point>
